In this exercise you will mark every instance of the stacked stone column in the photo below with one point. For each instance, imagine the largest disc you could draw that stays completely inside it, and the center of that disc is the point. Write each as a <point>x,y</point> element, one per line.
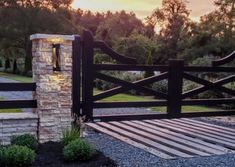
<point>54,88</point>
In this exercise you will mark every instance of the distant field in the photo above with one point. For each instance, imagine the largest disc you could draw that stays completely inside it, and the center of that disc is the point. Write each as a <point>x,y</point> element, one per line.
<point>129,98</point>
<point>19,78</point>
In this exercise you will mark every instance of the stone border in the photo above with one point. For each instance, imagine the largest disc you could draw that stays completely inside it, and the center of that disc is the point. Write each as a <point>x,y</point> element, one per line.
<point>52,36</point>
<point>14,124</point>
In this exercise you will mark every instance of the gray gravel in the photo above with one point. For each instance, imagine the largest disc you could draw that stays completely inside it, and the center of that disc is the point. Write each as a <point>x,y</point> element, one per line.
<point>126,155</point>
<point>113,111</point>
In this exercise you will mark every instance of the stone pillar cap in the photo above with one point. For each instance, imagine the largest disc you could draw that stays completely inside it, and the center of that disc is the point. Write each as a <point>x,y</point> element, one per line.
<point>52,36</point>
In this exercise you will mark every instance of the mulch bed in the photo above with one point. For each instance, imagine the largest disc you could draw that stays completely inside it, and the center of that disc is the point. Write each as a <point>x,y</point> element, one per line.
<point>50,154</point>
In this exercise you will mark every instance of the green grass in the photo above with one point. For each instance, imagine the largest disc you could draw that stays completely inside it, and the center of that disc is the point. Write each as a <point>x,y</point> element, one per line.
<point>187,109</point>
<point>129,98</point>
<point>11,111</point>
<point>123,97</point>
<point>15,77</point>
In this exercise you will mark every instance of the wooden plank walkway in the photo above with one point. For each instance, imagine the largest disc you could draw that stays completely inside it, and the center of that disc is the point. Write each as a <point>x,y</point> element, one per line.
<point>170,139</point>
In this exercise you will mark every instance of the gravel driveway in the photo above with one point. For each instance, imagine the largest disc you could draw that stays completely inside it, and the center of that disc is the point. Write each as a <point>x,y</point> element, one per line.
<point>128,156</point>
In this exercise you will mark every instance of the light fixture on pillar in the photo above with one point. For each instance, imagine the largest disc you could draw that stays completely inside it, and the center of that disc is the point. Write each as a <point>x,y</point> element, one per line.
<point>56,57</point>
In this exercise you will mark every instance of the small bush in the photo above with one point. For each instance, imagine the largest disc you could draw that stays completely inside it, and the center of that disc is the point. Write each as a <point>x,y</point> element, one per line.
<point>78,150</point>
<point>25,140</point>
<point>2,156</point>
<point>70,135</point>
<point>18,156</point>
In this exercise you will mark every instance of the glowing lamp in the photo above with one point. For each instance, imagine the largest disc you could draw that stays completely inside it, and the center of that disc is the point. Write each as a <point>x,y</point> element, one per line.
<point>56,57</point>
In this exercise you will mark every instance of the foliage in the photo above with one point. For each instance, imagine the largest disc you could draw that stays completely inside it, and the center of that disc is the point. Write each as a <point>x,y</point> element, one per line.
<point>161,86</point>
<point>17,156</point>
<point>70,135</point>
<point>2,156</point>
<point>78,150</point>
<point>173,18</point>
<point>126,76</point>
<point>137,46</point>
<point>176,37</point>
<point>119,24</point>
<point>27,140</point>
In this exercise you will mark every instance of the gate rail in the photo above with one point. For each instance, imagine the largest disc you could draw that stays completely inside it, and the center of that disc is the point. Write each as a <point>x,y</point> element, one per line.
<point>175,73</point>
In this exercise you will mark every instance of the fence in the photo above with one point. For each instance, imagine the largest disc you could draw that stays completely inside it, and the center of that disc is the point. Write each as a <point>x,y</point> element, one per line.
<point>175,73</point>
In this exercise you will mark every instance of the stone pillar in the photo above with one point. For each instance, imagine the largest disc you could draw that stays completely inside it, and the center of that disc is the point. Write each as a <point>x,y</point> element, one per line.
<point>54,88</point>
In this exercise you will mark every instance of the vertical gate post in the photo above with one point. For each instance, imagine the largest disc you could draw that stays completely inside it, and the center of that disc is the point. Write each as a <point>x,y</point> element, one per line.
<point>175,84</point>
<point>76,58</point>
<point>87,75</point>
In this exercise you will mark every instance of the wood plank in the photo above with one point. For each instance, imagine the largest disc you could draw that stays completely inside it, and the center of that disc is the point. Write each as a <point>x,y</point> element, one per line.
<point>18,104</point>
<point>211,125</point>
<point>211,148</point>
<point>129,67</point>
<point>130,104</point>
<point>160,140</point>
<point>87,75</point>
<point>208,129</point>
<point>144,140</point>
<point>76,75</point>
<point>116,56</point>
<point>200,131</point>
<point>208,69</point>
<point>191,134</point>
<point>131,142</point>
<point>17,87</point>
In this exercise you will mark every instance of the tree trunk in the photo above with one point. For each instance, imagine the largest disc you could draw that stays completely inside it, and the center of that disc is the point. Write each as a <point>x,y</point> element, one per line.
<point>15,66</point>
<point>28,56</point>
<point>7,63</point>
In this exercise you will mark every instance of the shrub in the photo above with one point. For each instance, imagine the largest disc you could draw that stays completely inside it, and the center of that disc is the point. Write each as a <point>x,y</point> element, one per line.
<point>18,156</point>
<point>25,140</point>
<point>161,86</point>
<point>70,135</point>
<point>78,150</point>
<point>2,156</point>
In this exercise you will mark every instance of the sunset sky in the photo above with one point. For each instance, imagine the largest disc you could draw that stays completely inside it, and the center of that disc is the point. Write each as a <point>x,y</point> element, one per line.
<point>142,8</point>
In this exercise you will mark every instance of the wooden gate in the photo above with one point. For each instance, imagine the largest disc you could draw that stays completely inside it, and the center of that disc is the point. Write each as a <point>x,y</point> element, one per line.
<point>175,73</point>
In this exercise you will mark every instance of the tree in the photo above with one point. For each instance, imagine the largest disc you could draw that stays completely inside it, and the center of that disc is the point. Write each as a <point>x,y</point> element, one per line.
<point>21,18</point>
<point>137,46</point>
<point>172,18</point>
<point>120,24</point>
<point>214,35</point>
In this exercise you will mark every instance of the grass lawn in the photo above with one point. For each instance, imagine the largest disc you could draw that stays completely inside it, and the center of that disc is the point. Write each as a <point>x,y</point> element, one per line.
<point>123,97</point>
<point>187,109</point>
<point>129,98</point>
<point>11,111</point>
<point>16,77</point>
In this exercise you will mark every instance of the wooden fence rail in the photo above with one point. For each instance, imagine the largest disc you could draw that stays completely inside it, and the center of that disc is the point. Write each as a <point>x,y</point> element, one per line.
<point>175,73</point>
<point>12,104</point>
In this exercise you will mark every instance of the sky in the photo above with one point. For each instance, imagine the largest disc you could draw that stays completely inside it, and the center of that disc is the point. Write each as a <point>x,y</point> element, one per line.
<point>142,8</point>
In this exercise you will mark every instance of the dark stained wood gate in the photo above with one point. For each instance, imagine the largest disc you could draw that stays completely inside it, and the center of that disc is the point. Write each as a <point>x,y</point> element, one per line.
<point>175,72</point>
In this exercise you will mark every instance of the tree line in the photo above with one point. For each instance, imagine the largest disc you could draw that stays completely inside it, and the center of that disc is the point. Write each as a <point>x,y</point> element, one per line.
<point>167,33</point>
